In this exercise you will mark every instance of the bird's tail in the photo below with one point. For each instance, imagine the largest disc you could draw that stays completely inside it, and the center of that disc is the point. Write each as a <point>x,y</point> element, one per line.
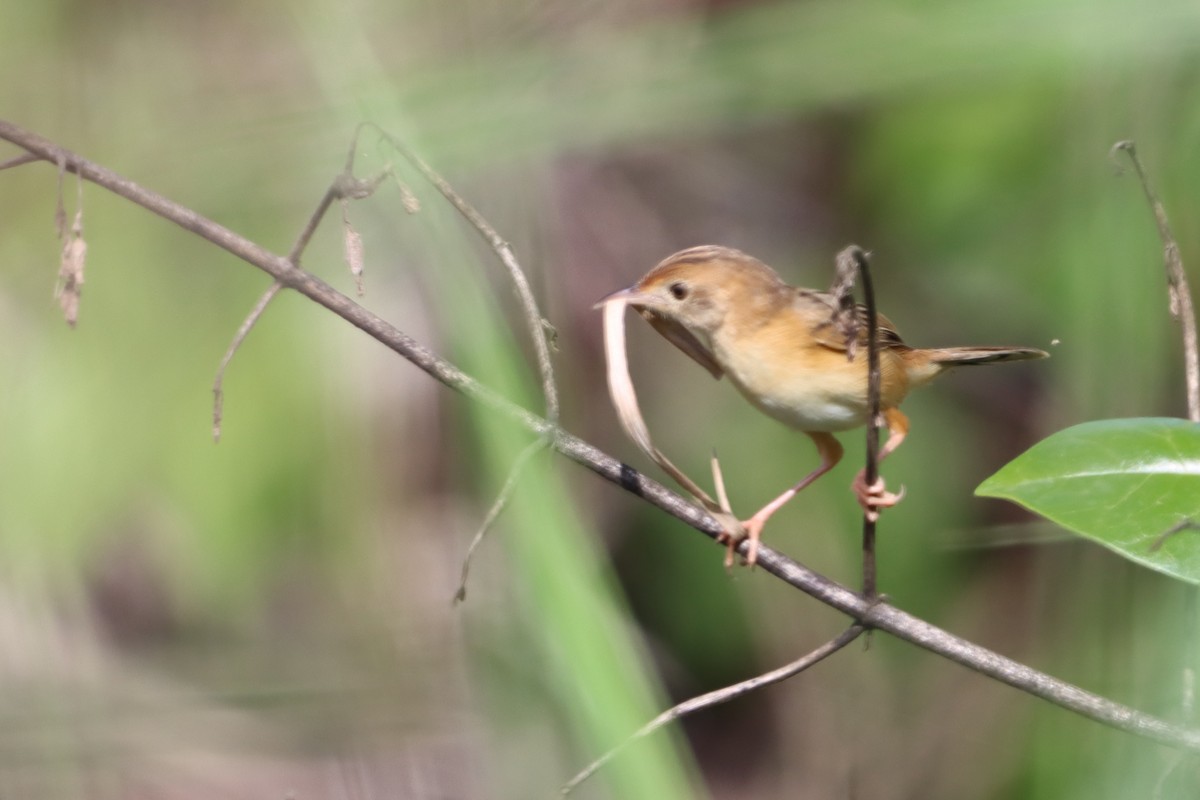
<point>957,356</point>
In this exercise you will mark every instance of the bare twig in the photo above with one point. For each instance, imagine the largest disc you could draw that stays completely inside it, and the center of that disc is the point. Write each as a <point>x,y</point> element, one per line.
<point>1186,524</point>
<point>877,614</point>
<point>538,326</point>
<point>1177,283</point>
<point>16,161</point>
<point>242,332</point>
<point>1179,297</point>
<point>849,260</point>
<point>719,696</point>
<point>310,227</point>
<point>344,187</point>
<point>498,506</point>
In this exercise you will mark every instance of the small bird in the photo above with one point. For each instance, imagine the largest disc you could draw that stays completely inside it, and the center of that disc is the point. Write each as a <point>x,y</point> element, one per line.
<point>783,352</point>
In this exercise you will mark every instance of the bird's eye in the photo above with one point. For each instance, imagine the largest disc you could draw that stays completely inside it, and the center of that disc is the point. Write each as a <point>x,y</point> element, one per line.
<point>678,290</point>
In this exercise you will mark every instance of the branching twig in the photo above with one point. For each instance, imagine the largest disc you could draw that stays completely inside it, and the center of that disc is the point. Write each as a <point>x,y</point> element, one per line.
<point>715,698</point>
<point>876,614</point>
<point>538,326</point>
<point>345,186</point>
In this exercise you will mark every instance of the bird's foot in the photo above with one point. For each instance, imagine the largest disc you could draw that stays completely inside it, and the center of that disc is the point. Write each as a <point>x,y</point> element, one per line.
<point>874,497</point>
<point>749,529</point>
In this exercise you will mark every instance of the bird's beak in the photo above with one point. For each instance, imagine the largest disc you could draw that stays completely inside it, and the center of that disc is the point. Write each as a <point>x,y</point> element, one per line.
<point>630,295</point>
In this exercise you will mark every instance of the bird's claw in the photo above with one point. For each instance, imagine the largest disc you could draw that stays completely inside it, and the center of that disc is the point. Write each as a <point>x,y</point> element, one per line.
<point>731,542</point>
<point>749,529</point>
<point>875,497</point>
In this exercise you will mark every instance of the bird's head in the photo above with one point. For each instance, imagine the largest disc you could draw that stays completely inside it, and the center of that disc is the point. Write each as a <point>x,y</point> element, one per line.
<point>688,296</point>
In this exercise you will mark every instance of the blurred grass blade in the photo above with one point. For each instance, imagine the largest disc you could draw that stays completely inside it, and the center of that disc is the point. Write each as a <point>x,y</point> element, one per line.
<point>1132,485</point>
<point>573,630</point>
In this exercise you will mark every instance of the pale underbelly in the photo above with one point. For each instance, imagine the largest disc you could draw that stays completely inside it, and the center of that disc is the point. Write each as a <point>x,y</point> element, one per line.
<point>813,394</point>
<point>811,411</point>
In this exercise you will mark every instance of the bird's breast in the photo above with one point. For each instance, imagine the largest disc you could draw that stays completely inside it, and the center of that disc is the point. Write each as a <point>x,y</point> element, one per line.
<point>806,387</point>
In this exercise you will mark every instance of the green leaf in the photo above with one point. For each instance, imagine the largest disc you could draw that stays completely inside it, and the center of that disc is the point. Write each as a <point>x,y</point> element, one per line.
<point>1123,483</point>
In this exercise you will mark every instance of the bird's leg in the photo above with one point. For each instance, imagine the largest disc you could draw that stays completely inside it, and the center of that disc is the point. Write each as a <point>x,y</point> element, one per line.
<point>831,453</point>
<point>876,496</point>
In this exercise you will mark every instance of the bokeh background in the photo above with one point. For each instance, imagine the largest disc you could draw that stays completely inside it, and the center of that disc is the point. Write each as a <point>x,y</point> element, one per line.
<point>270,616</point>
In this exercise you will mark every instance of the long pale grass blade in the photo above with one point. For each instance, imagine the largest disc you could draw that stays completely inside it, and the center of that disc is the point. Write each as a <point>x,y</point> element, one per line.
<point>624,399</point>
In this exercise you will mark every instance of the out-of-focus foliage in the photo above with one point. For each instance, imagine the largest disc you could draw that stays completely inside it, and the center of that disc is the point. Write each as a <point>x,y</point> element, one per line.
<point>274,610</point>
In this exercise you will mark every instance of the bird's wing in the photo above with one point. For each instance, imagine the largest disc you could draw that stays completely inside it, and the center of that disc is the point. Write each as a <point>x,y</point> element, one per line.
<point>822,309</point>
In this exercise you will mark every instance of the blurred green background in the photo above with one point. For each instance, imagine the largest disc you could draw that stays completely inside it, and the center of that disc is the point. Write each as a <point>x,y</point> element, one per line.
<point>270,616</point>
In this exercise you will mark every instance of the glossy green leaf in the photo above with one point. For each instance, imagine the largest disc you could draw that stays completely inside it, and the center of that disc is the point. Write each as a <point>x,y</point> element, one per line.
<point>1124,483</point>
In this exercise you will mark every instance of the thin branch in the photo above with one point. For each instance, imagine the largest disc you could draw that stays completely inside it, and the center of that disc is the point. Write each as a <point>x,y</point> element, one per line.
<point>498,506</point>
<point>539,328</point>
<point>242,332</point>
<point>871,613</point>
<point>536,323</point>
<point>331,194</point>
<point>16,161</point>
<point>1179,297</point>
<point>314,221</point>
<point>261,306</point>
<point>344,187</point>
<point>850,259</point>
<point>1177,283</point>
<point>719,696</point>
<point>1185,524</point>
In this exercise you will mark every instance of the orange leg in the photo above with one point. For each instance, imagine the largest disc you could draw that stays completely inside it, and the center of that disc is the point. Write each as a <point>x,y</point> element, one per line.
<point>876,496</point>
<point>831,453</point>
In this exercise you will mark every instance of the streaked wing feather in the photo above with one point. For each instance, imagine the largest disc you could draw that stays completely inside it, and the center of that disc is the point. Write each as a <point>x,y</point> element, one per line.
<point>829,335</point>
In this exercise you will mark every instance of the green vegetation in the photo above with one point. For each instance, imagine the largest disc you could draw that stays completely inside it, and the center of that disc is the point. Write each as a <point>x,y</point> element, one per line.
<point>282,599</point>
